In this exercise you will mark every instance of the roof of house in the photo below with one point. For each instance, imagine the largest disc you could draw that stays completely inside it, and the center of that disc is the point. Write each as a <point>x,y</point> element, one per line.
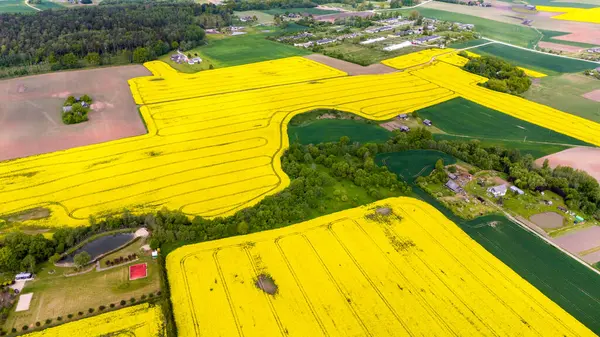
<point>453,186</point>
<point>67,108</point>
<point>498,189</point>
<point>516,189</point>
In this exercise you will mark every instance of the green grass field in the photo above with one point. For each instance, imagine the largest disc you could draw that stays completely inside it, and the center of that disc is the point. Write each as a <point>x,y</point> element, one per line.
<point>548,64</point>
<point>564,93</point>
<point>261,16</point>
<point>549,36</point>
<point>225,51</point>
<point>331,130</point>
<point>465,118</point>
<point>569,284</point>
<point>15,6</point>
<point>535,149</point>
<point>313,11</point>
<point>516,34</point>
<point>48,5</point>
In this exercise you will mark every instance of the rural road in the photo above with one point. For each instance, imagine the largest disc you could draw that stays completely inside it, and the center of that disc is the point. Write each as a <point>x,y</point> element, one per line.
<point>28,5</point>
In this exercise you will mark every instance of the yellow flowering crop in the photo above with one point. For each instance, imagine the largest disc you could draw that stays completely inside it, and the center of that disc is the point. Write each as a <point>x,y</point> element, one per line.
<point>216,137</point>
<point>138,321</point>
<point>358,273</point>
<point>591,15</point>
<point>419,58</point>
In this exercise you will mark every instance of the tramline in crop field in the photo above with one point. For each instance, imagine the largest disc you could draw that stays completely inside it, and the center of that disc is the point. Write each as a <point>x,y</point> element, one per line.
<point>215,138</point>
<point>394,268</point>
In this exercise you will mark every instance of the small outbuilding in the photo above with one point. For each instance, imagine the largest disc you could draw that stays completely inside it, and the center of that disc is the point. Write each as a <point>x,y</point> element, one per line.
<point>404,128</point>
<point>452,176</point>
<point>67,109</point>
<point>427,122</point>
<point>402,116</point>
<point>517,190</point>
<point>454,187</point>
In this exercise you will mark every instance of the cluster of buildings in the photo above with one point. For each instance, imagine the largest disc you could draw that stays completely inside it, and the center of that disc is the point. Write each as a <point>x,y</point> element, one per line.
<point>182,58</point>
<point>594,50</point>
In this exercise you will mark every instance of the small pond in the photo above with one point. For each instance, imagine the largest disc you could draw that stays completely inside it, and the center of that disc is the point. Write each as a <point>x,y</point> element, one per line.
<point>101,246</point>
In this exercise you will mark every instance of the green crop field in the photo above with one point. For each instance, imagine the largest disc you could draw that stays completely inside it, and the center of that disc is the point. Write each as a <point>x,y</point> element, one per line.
<point>516,34</point>
<point>466,44</point>
<point>537,150</point>
<point>331,130</point>
<point>261,16</point>
<point>48,5</point>
<point>547,64</point>
<point>14,6</point>
<point>564,93</point>
<point>549,36</point>
<point>313,11</point>
<point>568,283</point>
<point>574,4</point>
<point>465,118</point>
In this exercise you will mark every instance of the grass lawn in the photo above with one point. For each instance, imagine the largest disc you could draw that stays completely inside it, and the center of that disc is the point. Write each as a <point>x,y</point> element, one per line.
<point>564,93</point>
<point>225,51</point>
<point>130,249</point>
<point>261,16</point>
<point>48,5</point>
<point>56,295</point>
<point>548,64</point>
<point>15,6</point>
<point>465,118</point>
<point>313,11</point>
<point>366,54</point>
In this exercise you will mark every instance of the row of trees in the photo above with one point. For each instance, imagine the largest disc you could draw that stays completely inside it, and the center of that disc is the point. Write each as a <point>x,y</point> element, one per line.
<point>503,76</point>
<point>65,36</point>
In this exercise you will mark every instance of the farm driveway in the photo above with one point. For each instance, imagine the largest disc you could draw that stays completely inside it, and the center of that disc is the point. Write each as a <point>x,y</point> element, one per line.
<point>30,110</point>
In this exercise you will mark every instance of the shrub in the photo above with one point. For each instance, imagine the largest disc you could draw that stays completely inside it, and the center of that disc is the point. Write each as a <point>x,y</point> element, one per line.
<point>107,263</point>
<point>101,307</point>
<point>48,321</point>
<point>80,313</point>
<point>59,318</point>
<point>25,327</point>
<point>69,316</point>
<point>2,333</point>
<point>13,330</point>
<point>132,300</point>
<point>143,297</point>
<point>123,302</point>
<point>112,305</point>
<point>158,293</point>
<point>38,323</point>
<point>150,295</point>
<point>91,310</point>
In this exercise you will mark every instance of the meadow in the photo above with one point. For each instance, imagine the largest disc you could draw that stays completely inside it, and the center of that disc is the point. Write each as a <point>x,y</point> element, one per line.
<point>215,138</point>
<point>15,6</point>
<point>142,320</point>
<point>396,267</point>
<point>331,130</point>
<point>548,64</point>
<point>313,11</point>
<point>552,272</point>
<point>464,118</point>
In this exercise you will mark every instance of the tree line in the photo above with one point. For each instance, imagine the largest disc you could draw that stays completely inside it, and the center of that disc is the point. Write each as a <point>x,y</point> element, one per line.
<point>65,37</point>
<point>503,76</point>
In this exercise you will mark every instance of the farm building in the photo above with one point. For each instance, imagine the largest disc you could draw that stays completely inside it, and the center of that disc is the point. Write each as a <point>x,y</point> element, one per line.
<point>427,122</point>
<point>426,39</point>
<point>398,46</point>
<point>402,116</point>
<point>454,187</point>
<point>402,33</point>
<point>530,7</point>
<point>369,41</point>
<point>67,109</point>
<point>404,128</point>
<point>378,29</point>
<point>452,176</point>
<point>324,41</point>
<point>517,190</point>
<point>498,191</point>
<point>178,58</point>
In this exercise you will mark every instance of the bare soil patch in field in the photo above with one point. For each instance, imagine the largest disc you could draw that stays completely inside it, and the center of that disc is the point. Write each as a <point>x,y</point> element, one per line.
<point>559,47</point>
<point>351,68</point>
<point>547,220</point>
<point>30,110</point>
<point>592,258</point>
<point>581,158</point>
<point>580,240</point>
<point>593,95</point>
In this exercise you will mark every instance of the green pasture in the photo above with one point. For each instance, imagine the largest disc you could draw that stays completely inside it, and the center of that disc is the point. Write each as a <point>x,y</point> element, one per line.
<point>261,16</point>
<point>568,283</point>
<point>574,4</point>
<point>549,36</point>
<point>313,11</point>
<point>15,6</point>
<point>48,5</point>
<point>467,44</point>
<point>516,34</point>
<point>465,118</point>
<point>564,93</point>
<point>331,130</point>
<point>545,63</point>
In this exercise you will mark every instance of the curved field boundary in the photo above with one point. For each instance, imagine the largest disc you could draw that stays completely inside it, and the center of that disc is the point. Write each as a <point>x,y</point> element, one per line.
<point>216,149</point>
<point>342,274</point>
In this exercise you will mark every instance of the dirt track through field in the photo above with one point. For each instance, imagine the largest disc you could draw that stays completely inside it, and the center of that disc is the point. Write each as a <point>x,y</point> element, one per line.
<point>30,110</point>
<point>351,68</point>
<point>581,158</point>
<point>593,95</point>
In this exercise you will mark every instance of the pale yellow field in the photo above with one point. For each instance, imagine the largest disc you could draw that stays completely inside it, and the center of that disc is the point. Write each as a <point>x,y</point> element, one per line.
<point>138,321</point>
<point>414,274</point>
<point>215,138</point>
<point>591,15</point>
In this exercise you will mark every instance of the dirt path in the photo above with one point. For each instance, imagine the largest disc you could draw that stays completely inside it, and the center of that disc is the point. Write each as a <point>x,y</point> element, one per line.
<point>351,68</point>
<point>27,3</point>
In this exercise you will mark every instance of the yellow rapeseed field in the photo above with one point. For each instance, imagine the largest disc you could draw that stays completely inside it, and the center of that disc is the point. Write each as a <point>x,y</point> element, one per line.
<point>138,321</point>
<point>397,267</point>
<point>591,15</point>
<point>215,138</point>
